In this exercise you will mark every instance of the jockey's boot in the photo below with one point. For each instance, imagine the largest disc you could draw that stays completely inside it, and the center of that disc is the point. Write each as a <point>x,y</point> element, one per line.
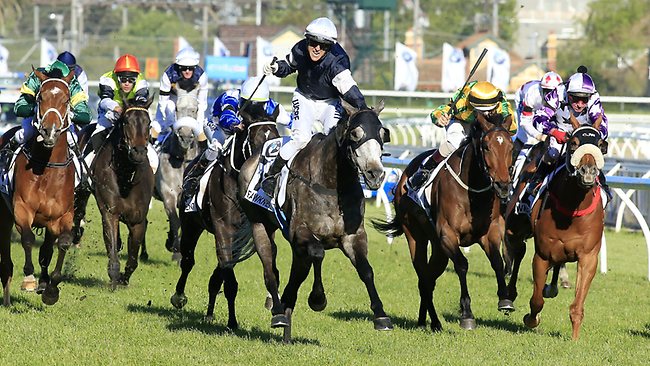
<point>270,178</point>
<point>422,175</point>
<point>98,139</point>
<point>191,180</point>
<point>534,184</point>
<point>602,180</point>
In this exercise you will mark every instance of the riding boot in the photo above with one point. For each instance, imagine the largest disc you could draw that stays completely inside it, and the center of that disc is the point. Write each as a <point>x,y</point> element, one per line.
<point>270,178</point>
<point>602,180</point>
<point>97,140</point>
<point>203,145</point>
<point>192,178</point>
<point>422,175</point>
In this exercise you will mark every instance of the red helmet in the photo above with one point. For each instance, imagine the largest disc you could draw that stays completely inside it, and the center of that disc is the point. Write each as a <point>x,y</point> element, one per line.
<point>127,63</point>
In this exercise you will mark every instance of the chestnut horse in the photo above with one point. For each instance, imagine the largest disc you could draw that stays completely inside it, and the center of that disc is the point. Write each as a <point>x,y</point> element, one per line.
<point>123,186</point>
<point>567,224</point>
<point>44,178</point>
<point>464,208</point>
<point>222,215</point>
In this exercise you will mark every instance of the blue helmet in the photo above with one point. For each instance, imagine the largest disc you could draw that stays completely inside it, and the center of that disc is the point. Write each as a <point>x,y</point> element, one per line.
<point>67,58</point>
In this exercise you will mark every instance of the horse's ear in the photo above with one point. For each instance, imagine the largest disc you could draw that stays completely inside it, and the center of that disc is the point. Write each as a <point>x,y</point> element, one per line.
<point>379,107</point>
<point>574,121</point>
<point>149,101</point>
<point>349,108</point>
<point>39,74</point>
<point>603,145</point>
<point>482,121</point>
<point>68,78</point>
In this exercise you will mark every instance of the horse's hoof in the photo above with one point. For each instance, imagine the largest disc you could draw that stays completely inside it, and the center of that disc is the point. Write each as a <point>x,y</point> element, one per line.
<point>50,296</point>
<point>176,257</point>
<point>549,291</point>
<point>178,300</point>
<point>316,302</point>
<point>530,321</point>
<point>565,284</point>
<point>436,326</point>
<point>207,318</point>
<point>144,256</point>
<point>279,321</point>
<point>29,284</point>
<point>123,280</point>
<point>41,287</point>
<point>286,336</point>
<point>383,323</point>
<point>468,324</point>
<point>506,306</point>
<point>233,325</point>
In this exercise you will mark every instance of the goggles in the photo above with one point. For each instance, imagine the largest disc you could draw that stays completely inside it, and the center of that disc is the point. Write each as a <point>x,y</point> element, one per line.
<point>186,68</point>
<point>126,79</point>
<point>314,43</point>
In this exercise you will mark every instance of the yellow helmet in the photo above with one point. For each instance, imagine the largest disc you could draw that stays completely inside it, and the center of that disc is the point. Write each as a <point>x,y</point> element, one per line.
<point>484,96</point>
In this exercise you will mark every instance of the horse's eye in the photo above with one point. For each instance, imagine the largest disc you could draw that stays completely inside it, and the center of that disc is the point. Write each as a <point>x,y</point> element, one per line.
<point>357,134</point>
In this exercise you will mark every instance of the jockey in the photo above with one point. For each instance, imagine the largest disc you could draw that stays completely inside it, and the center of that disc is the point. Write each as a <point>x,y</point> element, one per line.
<point>226,121</point>
<point>69,59</point>
<point>26,103</point>
<point>185,73</point>
<point>529,98</point>
<point>324,76</point>
<point>580,99</point>
<point>477,97</point>
<point>124,81</point>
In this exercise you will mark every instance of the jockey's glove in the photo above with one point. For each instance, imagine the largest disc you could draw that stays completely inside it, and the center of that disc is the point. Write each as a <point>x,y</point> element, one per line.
<point>270,68</point>
<point>559,135</point>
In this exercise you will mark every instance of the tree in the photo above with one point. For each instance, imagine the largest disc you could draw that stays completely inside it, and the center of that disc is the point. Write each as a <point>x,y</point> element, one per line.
<point>9,11</point>
<point>617,35</point>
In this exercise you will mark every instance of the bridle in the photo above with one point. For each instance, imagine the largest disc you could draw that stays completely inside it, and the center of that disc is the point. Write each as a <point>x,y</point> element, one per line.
<point>64,118</point>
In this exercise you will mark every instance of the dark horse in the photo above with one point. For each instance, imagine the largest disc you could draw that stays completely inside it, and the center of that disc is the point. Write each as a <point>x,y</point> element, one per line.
<point>123,186</point>
<point>222,216</point>
<point>44,188</point>
<point>464,208</point>
<point>567,224</point>
<point>324,209</point>
<point>177,151</point>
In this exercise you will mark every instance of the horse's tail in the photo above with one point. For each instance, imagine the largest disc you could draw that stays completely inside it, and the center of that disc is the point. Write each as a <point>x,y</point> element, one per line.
<point>243,246</point>
<point>391,228</point>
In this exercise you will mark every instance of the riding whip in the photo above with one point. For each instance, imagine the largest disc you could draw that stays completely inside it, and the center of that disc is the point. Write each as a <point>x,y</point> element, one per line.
<point>248,101</point>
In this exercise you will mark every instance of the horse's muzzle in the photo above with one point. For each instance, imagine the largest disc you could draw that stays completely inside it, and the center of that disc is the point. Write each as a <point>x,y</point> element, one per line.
<point>587,176</point>
<point>138,154</point>
<point>373,178</point>
<point>502,189</point>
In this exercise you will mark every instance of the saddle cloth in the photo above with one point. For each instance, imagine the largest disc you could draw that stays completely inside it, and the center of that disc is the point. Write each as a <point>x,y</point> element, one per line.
<point>420,196</point>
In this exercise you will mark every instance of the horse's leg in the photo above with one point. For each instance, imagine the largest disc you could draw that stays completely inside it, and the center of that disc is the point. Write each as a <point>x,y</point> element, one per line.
<point>540,271</point>
<point>144,255</point>
<point>230,288</point>
<point>418,247</point>
<point>492,251</point>
<point>317,300</point>
<point>51,294</point>
<point>586,270</point>
<point>550,290</point>
<point>44,258</point>
<point>461,267</point>
<point>136,237</point>
<point>27,239</point>
<point>437,264</point>
<point>173,241</point>
<point>81,196</point>
<point>214,286</point>
<point>110,225</point>
<point>6,265</point>
<point>356,249</point>
<point>516,251</point>
<point>267,252</point>
<point>564,277</point>
<point>189,238</point>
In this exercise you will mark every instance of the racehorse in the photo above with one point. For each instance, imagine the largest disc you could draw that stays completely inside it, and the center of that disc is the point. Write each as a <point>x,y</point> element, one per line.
<point>324,209</point>
<point>123,187</point>
<point>44,179</point>
<point>567,222</point>
<point>464,208</point>
<point>222,216</point>
<point>178,149</point>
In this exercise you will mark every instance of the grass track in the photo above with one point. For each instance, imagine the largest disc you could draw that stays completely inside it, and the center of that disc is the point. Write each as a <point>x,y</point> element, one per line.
<point>91,325</point>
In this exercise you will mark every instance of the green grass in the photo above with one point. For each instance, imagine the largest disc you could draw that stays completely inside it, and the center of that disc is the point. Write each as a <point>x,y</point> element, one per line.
<point>137,325</point>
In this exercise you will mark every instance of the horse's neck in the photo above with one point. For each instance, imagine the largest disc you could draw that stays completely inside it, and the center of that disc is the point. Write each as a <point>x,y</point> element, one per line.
<point>57,154</point>
<point>329,164</point>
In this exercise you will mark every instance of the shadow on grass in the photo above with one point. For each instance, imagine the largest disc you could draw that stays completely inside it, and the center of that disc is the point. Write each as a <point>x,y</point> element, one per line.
<point>86,281</point>
<point>641,333</point>
<point>193,321</point>
<point>348,315</point>
<point>122,256</point>
<point>511,323</point>
<point>21,304</point>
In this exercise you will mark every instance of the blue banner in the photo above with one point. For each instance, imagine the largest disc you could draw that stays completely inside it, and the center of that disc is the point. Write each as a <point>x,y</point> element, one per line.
<point>231,68</point>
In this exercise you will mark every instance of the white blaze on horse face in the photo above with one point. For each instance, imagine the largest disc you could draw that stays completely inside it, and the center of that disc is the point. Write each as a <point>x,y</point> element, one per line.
<point>56,90</point>
<point>500,140</point>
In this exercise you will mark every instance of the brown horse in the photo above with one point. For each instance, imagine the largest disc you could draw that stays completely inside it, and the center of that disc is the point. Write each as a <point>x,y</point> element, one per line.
<point>123,186</point>
<point>43,195</point>
<point>464,208</point>
<point>568,223</point>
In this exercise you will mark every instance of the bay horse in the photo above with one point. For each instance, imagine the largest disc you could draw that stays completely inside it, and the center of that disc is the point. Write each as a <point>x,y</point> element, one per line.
<point>178,149</point>
<point>123,187</point>
<point>324,209</point>
<point>464,208</point>
<point>44,180</point>
<point>567,223</point>
<point>222,216</point>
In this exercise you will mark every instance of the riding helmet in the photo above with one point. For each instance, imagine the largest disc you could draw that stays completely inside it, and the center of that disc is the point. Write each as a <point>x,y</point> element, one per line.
<point>484,96</point>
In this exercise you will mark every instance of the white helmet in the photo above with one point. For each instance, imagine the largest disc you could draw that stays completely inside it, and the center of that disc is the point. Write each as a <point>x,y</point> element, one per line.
<point>322,30</point>
<point>262,92</point>
<point>551,80</point>
<point>187,57</point>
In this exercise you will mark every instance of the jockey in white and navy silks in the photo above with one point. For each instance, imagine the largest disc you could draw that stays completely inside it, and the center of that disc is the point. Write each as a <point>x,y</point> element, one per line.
<point>69,59</point>
<point>225,121</point>
<point>528,99</point>
<point>324,76</point>
<point>184,73</point>
<point>577,96</point>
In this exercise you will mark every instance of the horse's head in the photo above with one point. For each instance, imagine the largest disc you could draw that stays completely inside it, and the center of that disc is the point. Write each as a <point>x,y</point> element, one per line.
<point>53,105</point>
<point>187,102</point>
<point>134,124</point>
<point>585,150</point>
<point>259,127</point>
<point>493,143</point>
<point>363,137</point>
<point>184,137</point>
